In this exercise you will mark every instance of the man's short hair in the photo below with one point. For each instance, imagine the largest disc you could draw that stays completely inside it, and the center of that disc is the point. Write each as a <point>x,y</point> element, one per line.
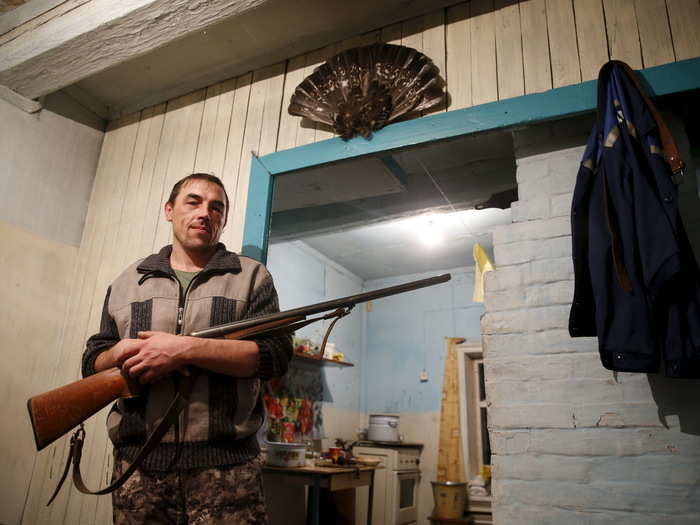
<point>198,176</point>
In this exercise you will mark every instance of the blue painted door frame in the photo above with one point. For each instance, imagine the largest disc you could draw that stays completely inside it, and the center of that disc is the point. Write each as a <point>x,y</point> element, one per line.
<point>529,109</point>
<point>256,230</point>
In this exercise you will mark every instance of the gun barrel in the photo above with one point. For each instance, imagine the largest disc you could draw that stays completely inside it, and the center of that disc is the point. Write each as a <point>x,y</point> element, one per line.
<point>351,300</point>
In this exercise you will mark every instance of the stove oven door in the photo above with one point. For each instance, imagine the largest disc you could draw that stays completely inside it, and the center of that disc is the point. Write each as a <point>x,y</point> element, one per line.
<point>406,496</point>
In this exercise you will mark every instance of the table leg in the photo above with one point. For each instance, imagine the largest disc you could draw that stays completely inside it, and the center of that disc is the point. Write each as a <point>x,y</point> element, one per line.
<point>371,498</point>
<point>315,500</point>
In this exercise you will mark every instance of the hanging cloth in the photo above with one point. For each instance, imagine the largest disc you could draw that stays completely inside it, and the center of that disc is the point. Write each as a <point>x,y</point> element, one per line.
<point>637,284</point>
<point>482,264</point>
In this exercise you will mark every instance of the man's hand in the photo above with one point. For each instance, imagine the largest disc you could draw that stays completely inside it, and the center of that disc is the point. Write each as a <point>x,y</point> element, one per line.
<point>158,355</point>
<point>120,352</point>
<point>124,349</point>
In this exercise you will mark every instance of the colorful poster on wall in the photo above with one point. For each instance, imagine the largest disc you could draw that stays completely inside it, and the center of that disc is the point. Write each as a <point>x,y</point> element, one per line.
<point>293,405</point>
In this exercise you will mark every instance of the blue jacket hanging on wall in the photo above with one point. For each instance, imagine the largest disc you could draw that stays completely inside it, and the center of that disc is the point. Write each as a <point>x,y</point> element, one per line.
<point>637,284</point>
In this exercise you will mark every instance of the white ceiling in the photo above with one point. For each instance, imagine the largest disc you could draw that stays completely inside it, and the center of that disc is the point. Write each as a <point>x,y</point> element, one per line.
<point>362,178</point>
<point>416,244</point>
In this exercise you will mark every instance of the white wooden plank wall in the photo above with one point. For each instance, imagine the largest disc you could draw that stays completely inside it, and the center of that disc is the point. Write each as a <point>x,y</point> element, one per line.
<point>509,49</point>
<point>563,48</point>
<point>322,131</point>
<point>591,36</point>
<point>260,132</point>
<point>84,510</point>
<point>623,35</point>
<point>483,56</point>
<point>683,16</point>
<point>536,59</point>
<point>434,45</point>
<point>458,44</point>
<point>234,147</point>
<point>96,278</point>
<point>289,124</point>
<point>486,50</point>
<point>654,32</point>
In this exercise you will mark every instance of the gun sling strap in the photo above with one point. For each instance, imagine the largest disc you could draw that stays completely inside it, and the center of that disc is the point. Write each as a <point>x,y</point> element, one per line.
<point>170,418</point>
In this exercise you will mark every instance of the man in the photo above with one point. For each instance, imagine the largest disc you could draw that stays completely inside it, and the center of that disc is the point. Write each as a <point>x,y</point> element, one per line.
<point>206,468</point>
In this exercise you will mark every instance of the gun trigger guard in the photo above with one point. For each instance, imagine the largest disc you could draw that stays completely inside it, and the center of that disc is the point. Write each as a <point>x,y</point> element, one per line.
<point>338,314</point>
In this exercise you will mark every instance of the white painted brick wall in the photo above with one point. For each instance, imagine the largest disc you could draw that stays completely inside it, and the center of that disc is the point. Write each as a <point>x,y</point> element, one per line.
<point>572,442</point>
<point>561,204</point>
<point>532,250</point>
<point>532,230</point>
<point>542,207</point>
<point>537,208</point>
<point>533,189</point>
<point>555,341</point>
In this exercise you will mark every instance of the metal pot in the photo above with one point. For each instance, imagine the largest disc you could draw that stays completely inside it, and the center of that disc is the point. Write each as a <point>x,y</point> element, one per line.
<point>383,427</point>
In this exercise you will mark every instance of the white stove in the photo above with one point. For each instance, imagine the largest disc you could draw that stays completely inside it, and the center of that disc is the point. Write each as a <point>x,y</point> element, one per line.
<point>396,483</point>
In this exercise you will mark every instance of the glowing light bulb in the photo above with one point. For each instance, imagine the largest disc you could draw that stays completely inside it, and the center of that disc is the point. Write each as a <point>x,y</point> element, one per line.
<point>429,230</point>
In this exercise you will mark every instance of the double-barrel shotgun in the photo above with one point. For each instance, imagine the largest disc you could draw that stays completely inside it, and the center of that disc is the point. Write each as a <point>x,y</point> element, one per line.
<point>56,412</point>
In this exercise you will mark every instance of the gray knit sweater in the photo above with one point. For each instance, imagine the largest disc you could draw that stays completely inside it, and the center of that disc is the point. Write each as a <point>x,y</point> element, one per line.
<point>219,425</point>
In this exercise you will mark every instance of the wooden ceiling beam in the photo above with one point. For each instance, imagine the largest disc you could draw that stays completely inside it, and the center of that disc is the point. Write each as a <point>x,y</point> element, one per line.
<point>98,34</point>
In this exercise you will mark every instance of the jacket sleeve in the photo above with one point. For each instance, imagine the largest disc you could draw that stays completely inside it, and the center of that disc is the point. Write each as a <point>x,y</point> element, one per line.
<point>275,351</point>
<point>582,317</point>
<point>583,311</point>
<point>103,340</point>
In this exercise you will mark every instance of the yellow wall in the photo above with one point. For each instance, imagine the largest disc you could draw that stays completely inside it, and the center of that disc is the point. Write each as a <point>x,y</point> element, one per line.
<point>36,281</point>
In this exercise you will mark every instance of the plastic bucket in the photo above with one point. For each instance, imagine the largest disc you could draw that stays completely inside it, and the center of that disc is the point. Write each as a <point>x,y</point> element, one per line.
<point>450,498</point>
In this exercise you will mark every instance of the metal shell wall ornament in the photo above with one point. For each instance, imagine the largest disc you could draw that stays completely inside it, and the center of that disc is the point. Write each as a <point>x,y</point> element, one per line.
<point>363,89</point>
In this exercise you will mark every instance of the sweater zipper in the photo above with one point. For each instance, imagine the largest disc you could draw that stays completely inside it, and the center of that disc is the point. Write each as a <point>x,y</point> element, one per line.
<point>180,314</point>
<point>182,297</point>
<point>180,422</point>
<point>180,306</point>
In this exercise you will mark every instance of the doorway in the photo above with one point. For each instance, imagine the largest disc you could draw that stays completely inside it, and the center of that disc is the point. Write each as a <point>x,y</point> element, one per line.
<point>383,219</point>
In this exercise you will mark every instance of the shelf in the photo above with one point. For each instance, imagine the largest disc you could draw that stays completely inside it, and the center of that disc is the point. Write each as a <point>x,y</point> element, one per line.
<point>320,361</point>
<point>464,520</point>
<point>478,503</point>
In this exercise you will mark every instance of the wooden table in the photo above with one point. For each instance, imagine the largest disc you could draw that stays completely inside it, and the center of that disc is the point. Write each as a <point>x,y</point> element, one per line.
<point>331,478</point>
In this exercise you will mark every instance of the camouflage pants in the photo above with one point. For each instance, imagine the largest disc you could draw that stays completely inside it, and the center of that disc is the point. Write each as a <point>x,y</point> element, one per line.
<point>229,495</point>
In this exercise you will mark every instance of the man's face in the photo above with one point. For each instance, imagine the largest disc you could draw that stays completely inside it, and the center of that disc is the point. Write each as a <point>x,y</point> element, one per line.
<point>197,215</point>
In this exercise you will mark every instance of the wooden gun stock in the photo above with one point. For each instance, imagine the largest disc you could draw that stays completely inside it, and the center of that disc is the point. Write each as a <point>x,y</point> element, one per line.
<point>56,412</point>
